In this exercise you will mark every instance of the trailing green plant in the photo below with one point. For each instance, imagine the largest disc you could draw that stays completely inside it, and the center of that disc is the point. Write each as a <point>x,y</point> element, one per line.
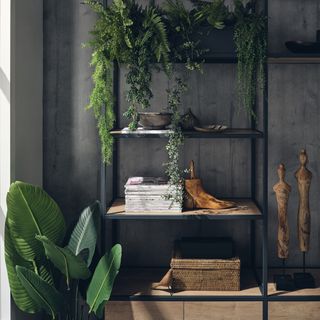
<point>251,45</point>
<point>175,142</point>
<point>106,49</point>
<point>34,232</point>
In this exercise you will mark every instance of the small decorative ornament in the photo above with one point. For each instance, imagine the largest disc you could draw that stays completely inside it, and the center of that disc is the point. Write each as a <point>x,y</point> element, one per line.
<point>197,197</point>
<point>211,128</point>
<point>189,120</point>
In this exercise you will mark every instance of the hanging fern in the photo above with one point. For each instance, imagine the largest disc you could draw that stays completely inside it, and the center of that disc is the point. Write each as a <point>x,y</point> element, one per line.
<point>183,25</point>
<point>150,45</point>
<point>251,46</point>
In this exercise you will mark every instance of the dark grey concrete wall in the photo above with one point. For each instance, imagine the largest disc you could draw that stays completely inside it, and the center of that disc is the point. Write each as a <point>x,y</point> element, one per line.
<point>71,147</point>
<point>71,154</point>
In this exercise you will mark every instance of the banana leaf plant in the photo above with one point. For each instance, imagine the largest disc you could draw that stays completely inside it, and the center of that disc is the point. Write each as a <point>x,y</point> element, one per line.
<point>43,274</point>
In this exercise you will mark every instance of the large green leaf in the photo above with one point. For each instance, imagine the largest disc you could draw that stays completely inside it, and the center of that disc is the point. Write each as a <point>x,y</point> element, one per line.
<point>101,284</point>
<point>44,295</point>
<point>70,265</point>
<point>84,235</point>
<point>19,293</point>
<point>32,211</point>
<point>12,258</point>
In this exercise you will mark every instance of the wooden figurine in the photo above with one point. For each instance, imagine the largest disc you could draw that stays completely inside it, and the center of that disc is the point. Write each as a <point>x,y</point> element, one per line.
<point>197,197</point>
<point>282,190</point>
<point>303,176</point>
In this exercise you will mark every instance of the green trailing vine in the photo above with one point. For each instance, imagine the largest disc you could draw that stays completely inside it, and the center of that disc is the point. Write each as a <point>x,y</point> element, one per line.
<point>251,45</point>
<point>102,96</point>
<point>175,142</point>
<point>111,41</point>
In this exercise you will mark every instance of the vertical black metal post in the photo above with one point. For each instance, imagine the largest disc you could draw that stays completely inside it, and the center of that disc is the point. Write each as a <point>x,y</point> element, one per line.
<point>265,186</point>
<point>103,192</point>
<point>115,158</point>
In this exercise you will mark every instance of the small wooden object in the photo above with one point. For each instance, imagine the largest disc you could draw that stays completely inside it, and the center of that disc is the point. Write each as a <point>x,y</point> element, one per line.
<point>303,176</point>
<point>197,197</point>
<point>282,190</point>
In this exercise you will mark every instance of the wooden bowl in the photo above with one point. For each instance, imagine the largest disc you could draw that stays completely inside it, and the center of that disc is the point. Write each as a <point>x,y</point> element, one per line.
<point>154,120</point>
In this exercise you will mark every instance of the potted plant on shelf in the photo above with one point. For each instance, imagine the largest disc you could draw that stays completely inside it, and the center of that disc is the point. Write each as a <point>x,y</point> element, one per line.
<point>34,233</point>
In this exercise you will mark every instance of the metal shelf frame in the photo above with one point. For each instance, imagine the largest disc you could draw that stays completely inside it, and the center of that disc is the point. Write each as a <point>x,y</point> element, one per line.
<point>109,182</point>
<point>190,134</point>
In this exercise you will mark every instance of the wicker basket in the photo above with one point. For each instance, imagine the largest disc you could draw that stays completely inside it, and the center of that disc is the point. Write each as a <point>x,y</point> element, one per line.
<point>205,275</point>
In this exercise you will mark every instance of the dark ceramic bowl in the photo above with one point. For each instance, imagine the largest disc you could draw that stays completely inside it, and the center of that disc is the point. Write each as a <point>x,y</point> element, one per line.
<point>154,120</point>
<point>303,47</point>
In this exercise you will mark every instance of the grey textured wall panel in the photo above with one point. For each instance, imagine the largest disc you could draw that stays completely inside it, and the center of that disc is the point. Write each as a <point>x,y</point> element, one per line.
<point>71,148</point>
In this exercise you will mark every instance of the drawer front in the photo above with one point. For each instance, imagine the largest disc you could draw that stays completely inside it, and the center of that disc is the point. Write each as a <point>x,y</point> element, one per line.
<point>294,310</point>
<point>143,310</point>
<point>223,311</point>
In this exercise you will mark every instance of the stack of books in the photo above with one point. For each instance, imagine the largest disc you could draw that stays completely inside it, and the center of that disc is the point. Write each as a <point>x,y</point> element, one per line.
<point>147,194</point>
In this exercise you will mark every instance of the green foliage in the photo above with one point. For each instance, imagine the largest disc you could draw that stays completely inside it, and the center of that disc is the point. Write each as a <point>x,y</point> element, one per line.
<point>19,293</point>
<point>101,101</point>
<point>174,144</point>
<point>70,265</point>
<point>150,45</point>
<point>215,13</point>
<point>182,28</point>
<point>84,235</point>
<point>44,295</point>
<point>100,288</point>
<point>251,45</point>
<point>30,212</point>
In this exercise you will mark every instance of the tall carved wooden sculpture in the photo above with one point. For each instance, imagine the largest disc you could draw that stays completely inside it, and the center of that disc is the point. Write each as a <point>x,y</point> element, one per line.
<point>282,189</point>
<point>304,176</point>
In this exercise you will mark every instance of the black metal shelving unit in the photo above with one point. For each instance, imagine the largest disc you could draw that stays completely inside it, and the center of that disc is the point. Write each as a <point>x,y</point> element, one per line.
<point>253,136</point>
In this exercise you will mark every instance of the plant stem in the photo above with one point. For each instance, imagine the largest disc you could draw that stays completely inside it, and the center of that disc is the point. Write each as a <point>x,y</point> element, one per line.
<point>76,297</point>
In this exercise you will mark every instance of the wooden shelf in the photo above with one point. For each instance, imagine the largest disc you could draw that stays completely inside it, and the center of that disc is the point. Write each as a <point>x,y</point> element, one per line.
<point>137,284</point>
<point>246,209</point>
<point>273,293</point>
<point>294,59</point>
<point>226,134</point>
